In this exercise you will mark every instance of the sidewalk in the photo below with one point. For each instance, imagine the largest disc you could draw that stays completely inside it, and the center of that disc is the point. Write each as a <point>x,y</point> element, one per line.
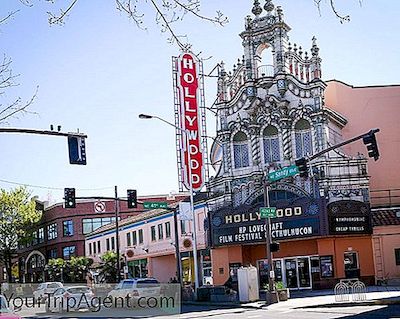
<point>375,295</point>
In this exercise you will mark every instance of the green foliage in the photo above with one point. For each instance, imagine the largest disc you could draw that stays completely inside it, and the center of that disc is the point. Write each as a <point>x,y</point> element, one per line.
<point>108,270</point>
<point>279,285</point>
<point>73,270</point>
<point>18,216</point>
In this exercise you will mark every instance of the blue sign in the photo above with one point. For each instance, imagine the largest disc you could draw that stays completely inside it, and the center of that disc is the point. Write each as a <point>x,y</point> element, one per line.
<point>77,150</point>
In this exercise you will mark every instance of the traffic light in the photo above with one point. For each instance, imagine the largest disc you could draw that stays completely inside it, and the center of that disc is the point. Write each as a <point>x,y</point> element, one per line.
<point>372,147</point>
<point>69,198</point>
<point>301,164</point>
<point>77,150</point>
<point>132,198</point>
<point>274,247</point>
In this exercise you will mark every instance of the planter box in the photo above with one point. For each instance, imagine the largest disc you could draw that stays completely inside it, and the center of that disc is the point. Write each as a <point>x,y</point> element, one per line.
<point>283,294</point>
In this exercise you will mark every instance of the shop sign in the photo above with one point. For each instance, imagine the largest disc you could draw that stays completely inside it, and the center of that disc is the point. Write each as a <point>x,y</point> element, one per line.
<point>299,220</point>
<point>349,218</point>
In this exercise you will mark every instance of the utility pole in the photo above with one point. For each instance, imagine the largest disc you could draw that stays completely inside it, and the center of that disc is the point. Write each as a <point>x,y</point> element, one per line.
<point>271,279</point>
<point>117,233</point>
<point>177,251</point>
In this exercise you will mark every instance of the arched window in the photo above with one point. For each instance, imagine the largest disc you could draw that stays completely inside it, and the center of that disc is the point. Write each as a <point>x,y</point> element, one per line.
<point>303,138</point>
<point>241,150</point>
<point>271,144</point>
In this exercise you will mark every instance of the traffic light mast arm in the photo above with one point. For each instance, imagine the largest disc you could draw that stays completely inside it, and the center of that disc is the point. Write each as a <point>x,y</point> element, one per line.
<point>373,131</point>
<point>105,197</point>
<point>40,132</point>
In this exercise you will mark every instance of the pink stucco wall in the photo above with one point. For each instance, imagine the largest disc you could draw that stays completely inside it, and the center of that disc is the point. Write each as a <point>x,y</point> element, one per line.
<point>385,240</point>
<point>162,267</point>
<point>366,108</point>
<point>160,254</point>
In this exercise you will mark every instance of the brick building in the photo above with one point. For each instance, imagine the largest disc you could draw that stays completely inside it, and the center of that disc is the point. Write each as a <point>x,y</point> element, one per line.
<point>61,232</point>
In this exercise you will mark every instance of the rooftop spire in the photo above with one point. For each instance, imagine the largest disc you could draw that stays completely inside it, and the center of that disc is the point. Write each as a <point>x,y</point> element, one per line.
<point>268,6</point>
<point>256,8</point>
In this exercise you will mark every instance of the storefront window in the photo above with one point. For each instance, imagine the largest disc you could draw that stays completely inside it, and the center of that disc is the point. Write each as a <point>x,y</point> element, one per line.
<point>263,271</point>
<point>233,270</point>
<point>278,270</point>
<point>326,264</point>
<point>138,268</point>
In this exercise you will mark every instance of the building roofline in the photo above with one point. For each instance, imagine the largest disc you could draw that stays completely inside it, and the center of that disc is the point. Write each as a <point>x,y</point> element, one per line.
<point>364,86</point>
<point>144,216</point>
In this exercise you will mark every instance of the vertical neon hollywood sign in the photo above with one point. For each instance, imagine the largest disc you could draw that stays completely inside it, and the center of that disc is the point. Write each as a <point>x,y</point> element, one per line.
<point>188,87</point>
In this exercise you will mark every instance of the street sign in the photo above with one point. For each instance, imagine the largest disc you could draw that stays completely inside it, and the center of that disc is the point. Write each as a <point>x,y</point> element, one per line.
<point>283,173</point>
<point>268,212</point>
<point>154,205</point>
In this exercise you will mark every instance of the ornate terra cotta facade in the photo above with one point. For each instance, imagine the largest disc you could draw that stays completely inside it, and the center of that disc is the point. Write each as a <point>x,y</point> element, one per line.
<point>269,115</point>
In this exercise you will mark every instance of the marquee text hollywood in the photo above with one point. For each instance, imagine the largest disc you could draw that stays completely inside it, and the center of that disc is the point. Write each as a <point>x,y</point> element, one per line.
<point>190,122</point>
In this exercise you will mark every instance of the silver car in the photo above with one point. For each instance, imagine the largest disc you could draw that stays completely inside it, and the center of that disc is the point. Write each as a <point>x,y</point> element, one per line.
<point>45,289</point>
<point>136,288</point>
<point>72,299</point>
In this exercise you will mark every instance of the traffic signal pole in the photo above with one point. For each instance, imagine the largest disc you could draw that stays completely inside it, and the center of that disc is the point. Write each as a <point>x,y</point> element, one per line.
<point>368,139</point>
<point>76,142</point>
<point>271,279</point>
<point>373,131</point>
<point>40,132</point>
<point>117,211</point>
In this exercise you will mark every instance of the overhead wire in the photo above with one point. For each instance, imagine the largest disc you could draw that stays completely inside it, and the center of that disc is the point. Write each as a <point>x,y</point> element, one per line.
<point>53,188</point>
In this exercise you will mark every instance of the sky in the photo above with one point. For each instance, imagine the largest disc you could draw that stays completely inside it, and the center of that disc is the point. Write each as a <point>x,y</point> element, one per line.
<point>99,71</point>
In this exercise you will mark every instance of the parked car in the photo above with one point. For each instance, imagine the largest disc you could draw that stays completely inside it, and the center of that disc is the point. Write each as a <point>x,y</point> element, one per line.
<point>47,288</point>
<point>71,299</point>
<point>136,288</point>
<point>6,311</point>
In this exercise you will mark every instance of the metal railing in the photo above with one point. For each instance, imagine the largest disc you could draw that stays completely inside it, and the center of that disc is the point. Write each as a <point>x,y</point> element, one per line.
<point>347,288</point>
<point>385,197</point>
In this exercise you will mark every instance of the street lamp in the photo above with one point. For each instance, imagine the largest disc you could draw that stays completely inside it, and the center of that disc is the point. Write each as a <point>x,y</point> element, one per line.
<point>196,278</point>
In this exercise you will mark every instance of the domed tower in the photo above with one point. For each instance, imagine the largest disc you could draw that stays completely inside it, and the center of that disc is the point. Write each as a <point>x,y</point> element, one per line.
<point>270,112</point>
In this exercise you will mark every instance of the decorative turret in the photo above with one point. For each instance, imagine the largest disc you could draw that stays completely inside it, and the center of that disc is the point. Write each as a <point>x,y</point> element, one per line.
<point>256,8</point>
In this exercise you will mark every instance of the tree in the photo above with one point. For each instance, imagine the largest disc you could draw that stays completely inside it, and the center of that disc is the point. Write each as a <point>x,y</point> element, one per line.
<point>342,17</point>
<point>72,270</point>
<point>8,80</point>
<point>108,269</point>
<point>18,215</point>
<point>55,269</point>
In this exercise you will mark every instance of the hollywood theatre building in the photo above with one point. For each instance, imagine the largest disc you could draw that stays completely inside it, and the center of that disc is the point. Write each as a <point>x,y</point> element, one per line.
<point>270,112</point>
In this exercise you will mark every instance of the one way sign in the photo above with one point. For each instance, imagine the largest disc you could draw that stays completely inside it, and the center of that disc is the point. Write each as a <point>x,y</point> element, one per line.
<point>77,150</point>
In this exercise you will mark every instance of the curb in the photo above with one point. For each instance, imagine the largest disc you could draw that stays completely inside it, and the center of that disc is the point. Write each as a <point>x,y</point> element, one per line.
<point>353,304</point>
<point>223,304</point>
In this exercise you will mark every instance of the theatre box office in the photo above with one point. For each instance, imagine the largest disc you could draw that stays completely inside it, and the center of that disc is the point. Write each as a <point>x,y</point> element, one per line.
<point>320,243</point>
